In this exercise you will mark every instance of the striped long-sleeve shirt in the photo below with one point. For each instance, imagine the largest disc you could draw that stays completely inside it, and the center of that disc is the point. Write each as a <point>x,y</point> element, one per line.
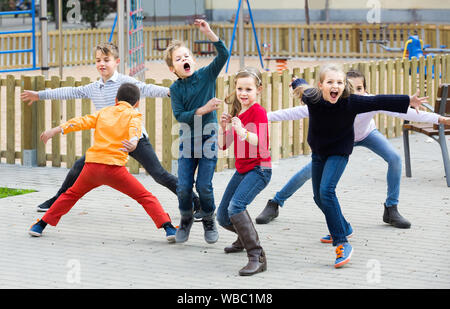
<point>101,93</point>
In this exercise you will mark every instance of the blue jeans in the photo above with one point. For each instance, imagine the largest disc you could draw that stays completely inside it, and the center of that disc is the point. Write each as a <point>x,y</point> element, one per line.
<point>326,172</point>
<point>376,142</point>
<point>197,154</point>
<point>241,191</point>
<point>379,144</point>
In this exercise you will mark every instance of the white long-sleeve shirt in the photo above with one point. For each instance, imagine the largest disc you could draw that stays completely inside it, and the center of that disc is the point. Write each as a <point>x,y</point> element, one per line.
<point>103,94</point>
<point>364,123</point>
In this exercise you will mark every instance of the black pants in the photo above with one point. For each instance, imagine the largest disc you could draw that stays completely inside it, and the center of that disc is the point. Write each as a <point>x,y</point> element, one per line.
<point>144,154</point>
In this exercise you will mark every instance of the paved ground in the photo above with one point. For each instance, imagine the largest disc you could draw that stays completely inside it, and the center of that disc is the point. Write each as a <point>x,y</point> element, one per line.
<point>107,240</point>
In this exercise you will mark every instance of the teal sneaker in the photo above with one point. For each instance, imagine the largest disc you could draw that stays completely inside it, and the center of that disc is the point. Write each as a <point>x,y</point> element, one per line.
<point>343,254</point>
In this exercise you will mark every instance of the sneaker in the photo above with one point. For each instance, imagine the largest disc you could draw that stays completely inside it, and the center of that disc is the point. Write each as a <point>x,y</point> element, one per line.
<point>210,228</point>
<point>184,229</point>
<point>46,205</point>
<point>170,234</point>
<point>343,254</point>
<point>329,240</point>
<point>36,230</point>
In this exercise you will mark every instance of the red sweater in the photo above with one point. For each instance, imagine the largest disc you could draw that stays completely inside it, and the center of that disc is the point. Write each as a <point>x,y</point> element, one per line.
<point>248,156</point>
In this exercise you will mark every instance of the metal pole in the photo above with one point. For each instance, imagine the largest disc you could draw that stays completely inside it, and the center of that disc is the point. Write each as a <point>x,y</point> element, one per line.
<point>44,38</point>
<point>241,38</point>
<point>120,34</point>
<point>61,47</point>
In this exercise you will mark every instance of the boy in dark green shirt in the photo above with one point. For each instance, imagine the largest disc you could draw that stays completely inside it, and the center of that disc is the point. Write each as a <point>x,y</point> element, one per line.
<point>194,106</point>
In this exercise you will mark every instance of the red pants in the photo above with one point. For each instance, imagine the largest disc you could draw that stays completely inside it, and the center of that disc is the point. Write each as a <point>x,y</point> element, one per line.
<point>117,177</point>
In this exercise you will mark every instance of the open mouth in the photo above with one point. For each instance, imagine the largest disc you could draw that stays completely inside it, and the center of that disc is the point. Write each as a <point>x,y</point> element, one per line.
<point>334,94</point>
<point>187,67</point>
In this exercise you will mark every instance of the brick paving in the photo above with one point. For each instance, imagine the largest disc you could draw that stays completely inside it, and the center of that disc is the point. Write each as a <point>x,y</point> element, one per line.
<point>108,241</point>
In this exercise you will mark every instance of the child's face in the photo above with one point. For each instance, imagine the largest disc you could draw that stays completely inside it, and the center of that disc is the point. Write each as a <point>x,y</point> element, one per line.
<point>247,91</point>
<point>333,86</point>
<point>106,64</point>
<point>183,64</point>
<point>358,85</point>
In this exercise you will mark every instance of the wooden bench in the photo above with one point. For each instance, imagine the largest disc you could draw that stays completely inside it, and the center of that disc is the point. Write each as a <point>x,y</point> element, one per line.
<point>156,42</point>
<point>207,50</point>
<point>436,132</point>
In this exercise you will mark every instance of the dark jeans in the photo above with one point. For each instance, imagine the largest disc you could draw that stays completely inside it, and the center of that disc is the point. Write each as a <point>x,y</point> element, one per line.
<point>143,153</point>
<point>326,172</point>
<point>199,153</point>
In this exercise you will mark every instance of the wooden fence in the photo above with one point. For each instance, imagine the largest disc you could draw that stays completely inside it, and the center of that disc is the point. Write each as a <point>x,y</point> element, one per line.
<point>21,125</point>
<point>316,40</point>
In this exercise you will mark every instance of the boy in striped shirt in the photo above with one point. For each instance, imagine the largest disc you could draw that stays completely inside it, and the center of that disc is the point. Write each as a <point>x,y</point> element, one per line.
<point>103,93</point>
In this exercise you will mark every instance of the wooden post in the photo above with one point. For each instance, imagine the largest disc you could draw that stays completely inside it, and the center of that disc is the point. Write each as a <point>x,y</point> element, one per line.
<point>389,82</point>
<point>220,93</point>
<point>85,110</point>
<point>286,149</point>
<point>381,90</point>
<point>28,144</point>
<point>41,155</point>
<point>296,123</point>
<point>10,119</point>
<point>55,82</point>
<point>70,113</point>
<point>306,148</point>
<point>150,117</point>
<point>275,126</point>
<point>398,90</point>
<point>167,130</point>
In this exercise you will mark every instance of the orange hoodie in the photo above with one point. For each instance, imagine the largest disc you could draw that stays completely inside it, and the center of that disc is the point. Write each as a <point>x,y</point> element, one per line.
<point>112,125</point>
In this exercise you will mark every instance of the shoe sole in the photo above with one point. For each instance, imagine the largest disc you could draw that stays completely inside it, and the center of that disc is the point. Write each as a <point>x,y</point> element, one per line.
<point>35,234</point>
<point>171,239</point>
<point>397,226</point>
<point>326,241</point>
<point>338,265</point>
<point>260,221</point>
<point>41,209</point>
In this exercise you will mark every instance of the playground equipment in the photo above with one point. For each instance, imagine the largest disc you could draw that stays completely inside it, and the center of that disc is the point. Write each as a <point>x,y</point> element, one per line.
<point>281,62</point>
<point>32,12</point>
<point>241,36</point>
<point>135,32</point>
<point>414,48</point>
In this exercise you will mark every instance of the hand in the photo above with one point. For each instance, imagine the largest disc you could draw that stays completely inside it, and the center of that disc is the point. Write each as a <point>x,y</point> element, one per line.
<point>444,120</point>
<point>237,125</point>
<point>212,105</point>
<point>415,101</point>
<point>224,120</point>
<point>129,146</point>
<point>29,96</point>
<point>203,25</point>
<point>48,134</point>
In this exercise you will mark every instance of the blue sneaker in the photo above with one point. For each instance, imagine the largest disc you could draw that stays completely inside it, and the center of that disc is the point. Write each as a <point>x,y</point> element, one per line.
<point>343,254</point>
<point>36,229</point>
<point>170,234</point>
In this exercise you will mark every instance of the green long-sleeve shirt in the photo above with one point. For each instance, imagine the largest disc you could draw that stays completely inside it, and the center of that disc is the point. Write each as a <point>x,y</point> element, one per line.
<point>191,93</point>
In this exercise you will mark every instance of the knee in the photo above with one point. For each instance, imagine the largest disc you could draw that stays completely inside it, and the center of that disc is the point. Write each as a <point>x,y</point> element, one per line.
<point>394,159</point>
<point>184,191</point>
<point>203,189</point>
<point>327,193</point>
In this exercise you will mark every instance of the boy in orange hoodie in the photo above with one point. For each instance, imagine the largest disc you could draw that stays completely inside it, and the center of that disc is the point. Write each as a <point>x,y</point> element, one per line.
<point>115,127</point>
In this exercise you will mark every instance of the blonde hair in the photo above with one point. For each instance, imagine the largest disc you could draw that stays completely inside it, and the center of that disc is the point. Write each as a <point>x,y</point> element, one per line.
<point>174,45</point>
<point>315,93</point>
<point>107,48</point>
<point>232,99</point>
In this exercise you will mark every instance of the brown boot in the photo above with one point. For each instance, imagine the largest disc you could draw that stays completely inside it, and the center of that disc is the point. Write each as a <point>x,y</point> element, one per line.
<point>236,246</point>
<point>247,234</point>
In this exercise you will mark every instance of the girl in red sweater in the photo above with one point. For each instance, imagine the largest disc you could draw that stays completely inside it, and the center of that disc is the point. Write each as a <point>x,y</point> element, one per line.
<point>247,126</point>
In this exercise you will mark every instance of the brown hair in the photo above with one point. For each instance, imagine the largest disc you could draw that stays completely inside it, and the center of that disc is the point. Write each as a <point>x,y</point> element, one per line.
<point>232,99</point>
<point>357,74</point>
<point>107,48</point>
<point>316,93</point>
